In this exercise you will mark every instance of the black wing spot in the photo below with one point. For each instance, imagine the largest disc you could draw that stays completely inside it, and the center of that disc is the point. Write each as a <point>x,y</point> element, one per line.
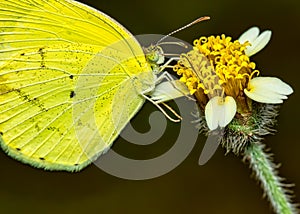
<point>52,128</point>
<point>72,94</point>
<point>42,158</point>
<point>1,133</point>
<point>34,101</point>
<point>42,54</point>
<point>76,164</point>
<point>71,77</point>
<point>18,149</point>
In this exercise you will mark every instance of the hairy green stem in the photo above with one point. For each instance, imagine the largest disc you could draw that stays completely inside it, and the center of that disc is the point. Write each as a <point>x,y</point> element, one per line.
<point>265,171</point>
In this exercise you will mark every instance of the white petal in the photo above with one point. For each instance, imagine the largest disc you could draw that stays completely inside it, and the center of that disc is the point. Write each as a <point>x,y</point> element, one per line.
<point>268,90</point>
<point>273,84</point>
<point>228,112</point>
<point>211,114</point>
<point>219,113</point>
<point>259,43</point>
<point>263,97</point>
<point>250,35</point>
<point>169,90</point>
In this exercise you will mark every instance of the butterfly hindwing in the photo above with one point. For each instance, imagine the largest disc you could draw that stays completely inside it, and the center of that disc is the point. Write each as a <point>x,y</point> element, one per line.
<point>66,88</point>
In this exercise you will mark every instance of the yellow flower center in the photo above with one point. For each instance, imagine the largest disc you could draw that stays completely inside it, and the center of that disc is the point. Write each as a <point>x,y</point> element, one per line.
<point>217,66</point>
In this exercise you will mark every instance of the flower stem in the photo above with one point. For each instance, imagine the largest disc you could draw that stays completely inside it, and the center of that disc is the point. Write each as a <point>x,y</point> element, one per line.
<point>265,171</point>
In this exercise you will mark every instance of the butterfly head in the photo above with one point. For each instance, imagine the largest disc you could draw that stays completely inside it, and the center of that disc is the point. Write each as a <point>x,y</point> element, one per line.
<point>155,56</point>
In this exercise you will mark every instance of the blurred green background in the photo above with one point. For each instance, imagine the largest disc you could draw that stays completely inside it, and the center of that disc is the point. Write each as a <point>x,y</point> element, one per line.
<point>224,184</point>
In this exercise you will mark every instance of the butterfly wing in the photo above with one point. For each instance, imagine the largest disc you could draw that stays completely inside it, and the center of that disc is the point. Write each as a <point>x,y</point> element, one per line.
<point>66,89</point>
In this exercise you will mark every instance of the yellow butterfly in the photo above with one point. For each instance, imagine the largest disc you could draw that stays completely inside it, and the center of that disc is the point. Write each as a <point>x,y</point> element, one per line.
<point>71,78</point>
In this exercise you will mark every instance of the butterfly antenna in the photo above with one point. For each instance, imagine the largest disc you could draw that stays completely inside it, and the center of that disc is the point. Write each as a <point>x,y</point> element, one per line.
<point>184,27</point>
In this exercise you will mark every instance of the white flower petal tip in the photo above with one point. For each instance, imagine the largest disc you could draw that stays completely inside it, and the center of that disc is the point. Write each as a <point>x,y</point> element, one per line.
<point>250,35</point>
<point>257,41</point>
<point>219,112</point>
<point>269,90</point>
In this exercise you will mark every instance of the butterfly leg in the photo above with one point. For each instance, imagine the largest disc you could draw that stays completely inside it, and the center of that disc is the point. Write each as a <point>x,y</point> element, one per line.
<point>167,64</point>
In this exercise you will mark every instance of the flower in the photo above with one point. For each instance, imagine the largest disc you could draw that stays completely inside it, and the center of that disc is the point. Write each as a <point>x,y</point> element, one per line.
<point>219,72</point>
<point>238,104</point>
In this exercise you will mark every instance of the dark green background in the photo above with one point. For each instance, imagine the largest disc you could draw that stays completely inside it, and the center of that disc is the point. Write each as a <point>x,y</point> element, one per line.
<point>224,184</point>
